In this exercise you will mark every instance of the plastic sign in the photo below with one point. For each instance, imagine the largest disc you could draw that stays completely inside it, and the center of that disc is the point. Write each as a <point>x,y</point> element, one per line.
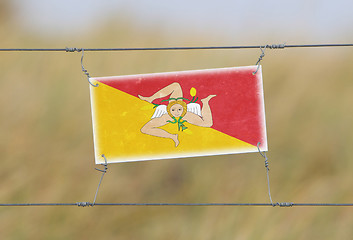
<point>178,114</point>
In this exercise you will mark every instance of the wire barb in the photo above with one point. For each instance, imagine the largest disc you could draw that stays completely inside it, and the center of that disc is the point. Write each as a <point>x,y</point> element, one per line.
<point>67,49</point>
<point>84,204</point>
<point>276,46</point>
<point>285,204</point>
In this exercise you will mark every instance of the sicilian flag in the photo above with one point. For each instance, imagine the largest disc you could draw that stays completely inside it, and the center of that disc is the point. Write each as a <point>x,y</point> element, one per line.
<point>178,114</point>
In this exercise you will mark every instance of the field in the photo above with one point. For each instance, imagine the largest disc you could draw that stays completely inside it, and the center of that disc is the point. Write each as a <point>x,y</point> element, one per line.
<point>47,146</point>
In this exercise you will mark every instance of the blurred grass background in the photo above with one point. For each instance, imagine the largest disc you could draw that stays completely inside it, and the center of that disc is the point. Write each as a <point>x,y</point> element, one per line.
<point>47,146</point>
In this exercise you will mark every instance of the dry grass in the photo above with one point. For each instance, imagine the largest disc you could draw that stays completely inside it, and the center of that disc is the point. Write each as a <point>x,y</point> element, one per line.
<point>47,151</point>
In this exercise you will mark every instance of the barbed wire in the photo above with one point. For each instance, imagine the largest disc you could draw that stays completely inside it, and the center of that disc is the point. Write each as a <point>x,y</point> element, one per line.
<point>89,204</point>
<point>271,46</point>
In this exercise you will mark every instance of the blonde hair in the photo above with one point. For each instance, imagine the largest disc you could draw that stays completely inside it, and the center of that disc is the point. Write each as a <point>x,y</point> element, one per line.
<point>180,102</point>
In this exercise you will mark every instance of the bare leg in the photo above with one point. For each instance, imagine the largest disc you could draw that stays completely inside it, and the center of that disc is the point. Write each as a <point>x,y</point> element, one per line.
<point>157,132</point>
<point>206,111</point>
<point>174,90</point>
<point>151,128</point>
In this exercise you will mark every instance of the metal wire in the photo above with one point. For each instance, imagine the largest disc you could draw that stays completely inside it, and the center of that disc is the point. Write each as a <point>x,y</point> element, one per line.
<point>263,154</point>
<point>283,204</point>
<point>83,69</point>
<point>103,172</point>
<point>88,204</point>
<point>272,46</point>
<point>258,63</point>
<point>36,204</point>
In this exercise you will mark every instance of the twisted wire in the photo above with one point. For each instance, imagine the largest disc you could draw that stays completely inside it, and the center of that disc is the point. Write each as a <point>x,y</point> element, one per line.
<point>263,154</point>
<point>83,69</point>
<point>103,173</point>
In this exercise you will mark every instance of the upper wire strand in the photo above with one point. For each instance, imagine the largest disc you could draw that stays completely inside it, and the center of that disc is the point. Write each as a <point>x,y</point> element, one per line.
<point>273,46</point>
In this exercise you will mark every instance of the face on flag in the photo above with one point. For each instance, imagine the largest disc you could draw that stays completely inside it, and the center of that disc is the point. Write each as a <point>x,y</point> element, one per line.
<point>178,114</point>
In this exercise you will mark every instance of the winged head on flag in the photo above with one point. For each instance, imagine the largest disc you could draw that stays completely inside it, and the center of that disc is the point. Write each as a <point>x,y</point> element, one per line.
<point>176,112</point>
